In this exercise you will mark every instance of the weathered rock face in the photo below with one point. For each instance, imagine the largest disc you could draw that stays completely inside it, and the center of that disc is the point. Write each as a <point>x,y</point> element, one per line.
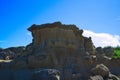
<point>57,45</point>
<point>89,47</point>
<point>56,35</point>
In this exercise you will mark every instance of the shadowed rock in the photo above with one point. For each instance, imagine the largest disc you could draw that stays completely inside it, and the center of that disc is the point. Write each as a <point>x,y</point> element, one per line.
<point>46,74</point>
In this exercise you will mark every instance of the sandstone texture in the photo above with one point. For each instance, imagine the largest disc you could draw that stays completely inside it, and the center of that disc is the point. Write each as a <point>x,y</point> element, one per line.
<point>58,45</point>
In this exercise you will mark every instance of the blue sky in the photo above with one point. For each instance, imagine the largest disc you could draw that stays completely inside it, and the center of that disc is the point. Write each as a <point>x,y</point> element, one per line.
<point>98,16</point>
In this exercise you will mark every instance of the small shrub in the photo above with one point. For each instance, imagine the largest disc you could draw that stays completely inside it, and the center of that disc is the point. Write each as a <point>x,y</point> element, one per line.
<point>116,53</point>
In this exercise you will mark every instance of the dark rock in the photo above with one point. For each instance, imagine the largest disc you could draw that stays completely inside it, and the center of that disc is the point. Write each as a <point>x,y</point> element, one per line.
<point>89,47</point>
<point>100,54</point>
<point>109,51</point>
<point>7,53</point>
<point>6,64</point>
<point>11,52</point>
<point>46,74</point>
<point>99,50</point>
<point>1,49</point>
<point>17,49</point>
<point>2,55</point>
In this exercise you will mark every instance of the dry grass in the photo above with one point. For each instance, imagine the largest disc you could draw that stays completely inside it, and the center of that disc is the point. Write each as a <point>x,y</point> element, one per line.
<point>1,60</point>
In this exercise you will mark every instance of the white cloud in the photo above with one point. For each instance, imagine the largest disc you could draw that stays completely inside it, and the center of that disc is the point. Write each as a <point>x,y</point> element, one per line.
<point>103,39</point>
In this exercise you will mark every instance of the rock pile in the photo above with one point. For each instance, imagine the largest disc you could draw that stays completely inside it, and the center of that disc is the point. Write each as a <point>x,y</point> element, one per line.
<point>11,53</point>
<point>101,72</point>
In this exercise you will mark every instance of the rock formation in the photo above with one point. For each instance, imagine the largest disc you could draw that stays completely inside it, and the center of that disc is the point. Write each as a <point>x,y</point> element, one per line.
<point>56,46</point>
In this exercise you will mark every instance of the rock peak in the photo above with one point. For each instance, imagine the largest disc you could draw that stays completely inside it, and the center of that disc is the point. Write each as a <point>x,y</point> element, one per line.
<point>52,25</point>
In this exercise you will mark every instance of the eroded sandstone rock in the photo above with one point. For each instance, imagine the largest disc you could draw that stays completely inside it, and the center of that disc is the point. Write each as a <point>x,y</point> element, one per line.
<point>64,44</point>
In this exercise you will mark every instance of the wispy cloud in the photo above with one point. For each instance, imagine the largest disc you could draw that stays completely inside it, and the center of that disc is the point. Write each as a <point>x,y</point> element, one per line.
<point>28,33</point>
<point>103,39</point>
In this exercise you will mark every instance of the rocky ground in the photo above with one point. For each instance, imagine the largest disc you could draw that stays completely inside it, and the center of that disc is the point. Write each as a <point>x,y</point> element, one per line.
<point>58,52</point>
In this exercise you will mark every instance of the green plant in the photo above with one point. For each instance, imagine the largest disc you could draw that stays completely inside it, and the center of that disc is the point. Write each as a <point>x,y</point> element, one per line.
<point>116,53</point>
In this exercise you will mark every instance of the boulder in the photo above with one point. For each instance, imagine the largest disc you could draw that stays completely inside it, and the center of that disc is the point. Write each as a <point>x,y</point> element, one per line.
<point>99,51</point>
<point>100,54</point>
<point>101,70</point>
<point>109,51</point>
<point>113,77</point>
<point>96,77</point>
